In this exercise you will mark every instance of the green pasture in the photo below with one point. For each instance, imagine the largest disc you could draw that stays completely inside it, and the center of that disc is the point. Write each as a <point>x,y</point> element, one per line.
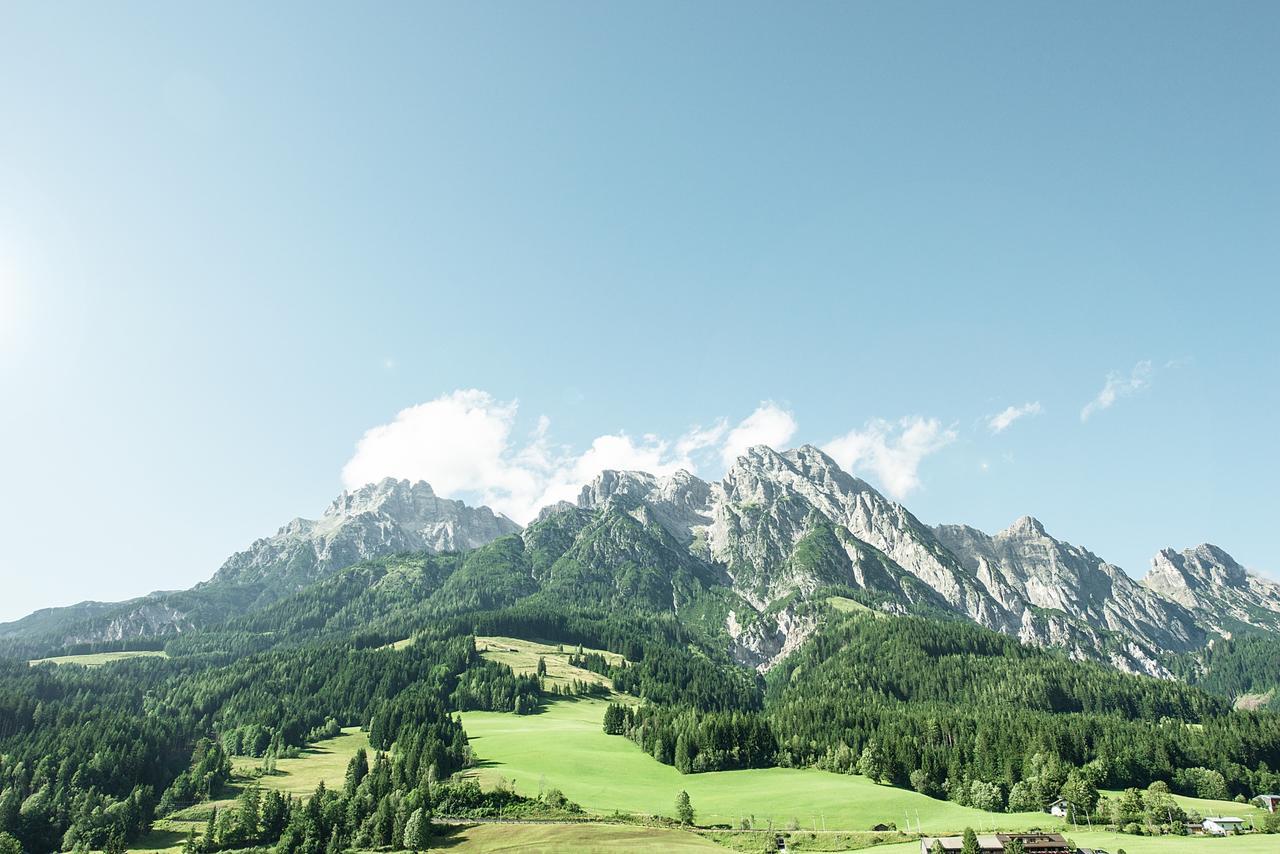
<point>564,746</point>
<point>325,760</point>
<point>522,657</point>
<point>97,659</point>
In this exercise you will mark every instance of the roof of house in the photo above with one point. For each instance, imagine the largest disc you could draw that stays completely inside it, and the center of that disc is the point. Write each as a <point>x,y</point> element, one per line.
<point>1224,819</point>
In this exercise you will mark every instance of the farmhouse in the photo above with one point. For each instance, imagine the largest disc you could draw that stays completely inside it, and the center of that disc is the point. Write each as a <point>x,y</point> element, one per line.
<point>1270,803</point>
<point>1059,808</point>
<point>993,843</point>
<point>1222,825</point>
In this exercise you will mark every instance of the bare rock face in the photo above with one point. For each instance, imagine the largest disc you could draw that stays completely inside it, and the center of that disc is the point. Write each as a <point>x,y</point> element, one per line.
<point>786,491</point>
<point>785,525</point>
<point>677,502</point>
<point>377,519</point>
<point>1212,585</point>
<point>1024,567</point>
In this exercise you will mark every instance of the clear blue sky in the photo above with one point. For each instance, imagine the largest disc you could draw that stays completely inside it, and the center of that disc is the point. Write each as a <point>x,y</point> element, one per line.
<point>233,238</point>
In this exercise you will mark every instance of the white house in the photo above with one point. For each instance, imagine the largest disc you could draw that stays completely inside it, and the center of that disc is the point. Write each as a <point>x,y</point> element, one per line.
<point>1222,825</point>
<point>1059,808</point>
<point>1270,803</point>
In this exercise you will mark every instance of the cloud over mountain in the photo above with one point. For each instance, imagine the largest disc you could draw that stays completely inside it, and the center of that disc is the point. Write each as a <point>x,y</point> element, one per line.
<point>465,445</point>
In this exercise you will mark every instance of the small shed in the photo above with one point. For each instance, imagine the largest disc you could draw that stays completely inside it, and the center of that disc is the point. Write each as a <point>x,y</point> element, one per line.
<point>1270,803</point>
<point>1222,825</point>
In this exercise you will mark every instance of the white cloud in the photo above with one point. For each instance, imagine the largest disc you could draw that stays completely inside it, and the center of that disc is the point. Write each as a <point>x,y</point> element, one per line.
<point>462,444</point>
<point>769,425</point>
<point>891,451</point>
<point>1118,386</point>
<point>1001,421</point>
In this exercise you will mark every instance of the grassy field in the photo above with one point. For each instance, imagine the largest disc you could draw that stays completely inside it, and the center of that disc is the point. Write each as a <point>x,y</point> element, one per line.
<point>565,747</point>
<point>522,657</point>
<point>97,659</point>
<point>325,760</point>
<point>566,838</point>
<point>849,606</point>
<point>1113,842</point>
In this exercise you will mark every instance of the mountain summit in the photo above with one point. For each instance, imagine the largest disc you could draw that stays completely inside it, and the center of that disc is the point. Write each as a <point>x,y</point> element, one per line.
<point>378,519</point>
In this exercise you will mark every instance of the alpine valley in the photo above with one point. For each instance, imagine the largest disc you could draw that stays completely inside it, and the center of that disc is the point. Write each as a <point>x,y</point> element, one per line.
<point>788,615</point>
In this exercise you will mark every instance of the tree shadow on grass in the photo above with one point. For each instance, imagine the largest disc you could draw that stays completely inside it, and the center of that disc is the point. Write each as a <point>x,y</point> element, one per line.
<point>448,835</point>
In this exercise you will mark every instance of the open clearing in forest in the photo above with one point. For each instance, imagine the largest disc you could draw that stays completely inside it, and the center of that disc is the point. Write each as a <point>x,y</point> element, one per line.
<point>522,657</point>
<point>97,659</point>
<point>325,760</point>
<point>564,746</point>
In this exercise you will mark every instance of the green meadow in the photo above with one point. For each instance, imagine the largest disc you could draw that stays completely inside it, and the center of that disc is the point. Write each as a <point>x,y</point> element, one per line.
<point>97,659</point>
<point>566,838</point>
<point>522,657</point>
<point>564,746</point>
<point>325,760</point>
<point>1114,842</point>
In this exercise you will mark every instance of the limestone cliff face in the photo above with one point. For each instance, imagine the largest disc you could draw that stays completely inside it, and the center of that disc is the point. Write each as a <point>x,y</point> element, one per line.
<point>784,525</point>
<point>1220,592</point>
<point>1024,567</point>
<point>377,519</point>
<point>374,521</point>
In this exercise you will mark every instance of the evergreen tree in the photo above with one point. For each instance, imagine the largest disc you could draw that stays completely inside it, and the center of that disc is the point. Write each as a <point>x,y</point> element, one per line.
<point>684,809</point>
<point>683,762</point>
<point>969,842</point>
<point>357,770</point>
<point>209,842</point>
<point>417,831</point>
<point>871,764</point>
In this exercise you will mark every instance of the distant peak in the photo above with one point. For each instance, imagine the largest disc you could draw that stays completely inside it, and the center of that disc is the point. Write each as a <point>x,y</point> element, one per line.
<point>1027,525</point>
<point>760,453</point>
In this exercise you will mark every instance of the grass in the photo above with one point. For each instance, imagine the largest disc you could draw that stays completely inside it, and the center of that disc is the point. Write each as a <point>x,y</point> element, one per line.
<point>168,835</point>
<point>325,760</point>
<point>522,657</point>
<point>565,747</point>
<point>848,606</point>
<point>97,659</point>
<point>585,838</point>
<point>1113,842</point>
<point>756,842</point>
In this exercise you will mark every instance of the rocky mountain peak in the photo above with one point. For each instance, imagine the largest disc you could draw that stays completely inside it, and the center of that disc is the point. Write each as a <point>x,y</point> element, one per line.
<point>1202,565</point>
<point>1026,568</point>
<point>1026,526</point>
<point>1215,587</point>
<point>377,519</point>
<point>387,495</point>
<point>611,483</point>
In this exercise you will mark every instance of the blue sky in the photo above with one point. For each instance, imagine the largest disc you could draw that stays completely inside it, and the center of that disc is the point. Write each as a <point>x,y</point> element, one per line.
<point>234,239</point>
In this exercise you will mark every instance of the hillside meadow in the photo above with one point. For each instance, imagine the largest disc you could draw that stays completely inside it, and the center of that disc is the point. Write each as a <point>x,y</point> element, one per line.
<point>97,659</point>
<point>564,746</point>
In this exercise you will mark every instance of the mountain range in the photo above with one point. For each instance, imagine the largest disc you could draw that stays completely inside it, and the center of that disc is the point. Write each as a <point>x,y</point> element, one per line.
<point>739,560</point>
